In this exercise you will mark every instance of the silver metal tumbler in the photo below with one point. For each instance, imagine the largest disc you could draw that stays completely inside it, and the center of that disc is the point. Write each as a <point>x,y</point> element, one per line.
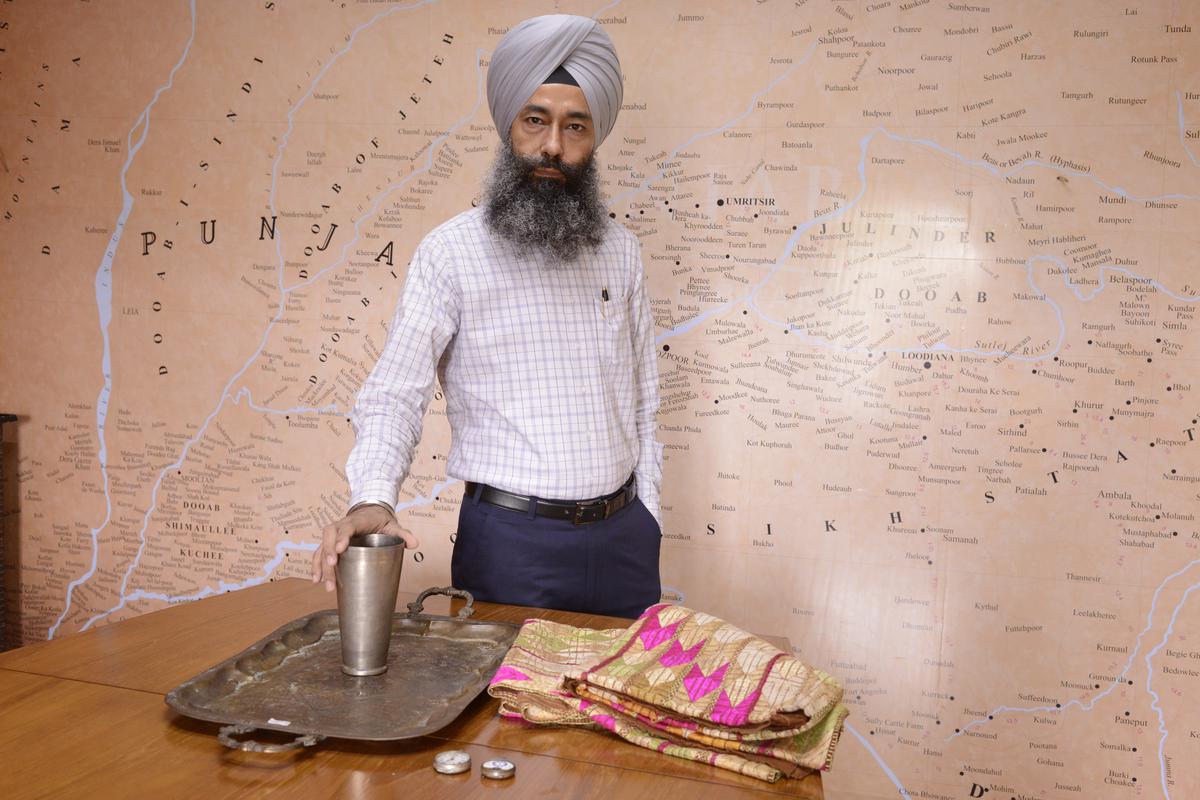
<point>368,578</point>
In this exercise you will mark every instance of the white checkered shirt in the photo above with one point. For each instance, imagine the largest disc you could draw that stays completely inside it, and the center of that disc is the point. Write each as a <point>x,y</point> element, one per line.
<point>551,390</point>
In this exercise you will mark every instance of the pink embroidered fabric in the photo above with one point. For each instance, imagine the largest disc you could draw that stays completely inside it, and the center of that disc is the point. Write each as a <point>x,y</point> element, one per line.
<point>679,682</point>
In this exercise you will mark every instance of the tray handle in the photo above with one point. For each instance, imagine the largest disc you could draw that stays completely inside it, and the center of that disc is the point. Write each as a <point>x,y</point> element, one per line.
<point>417,605</point>
<point>227,733</point>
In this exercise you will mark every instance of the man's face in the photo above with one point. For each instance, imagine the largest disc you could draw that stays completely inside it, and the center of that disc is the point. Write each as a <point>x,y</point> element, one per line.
<point>555,125</point>
<point>543,193</point>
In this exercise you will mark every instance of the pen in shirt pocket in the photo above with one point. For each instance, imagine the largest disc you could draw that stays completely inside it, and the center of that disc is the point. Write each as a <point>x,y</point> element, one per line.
<point>604,304</point>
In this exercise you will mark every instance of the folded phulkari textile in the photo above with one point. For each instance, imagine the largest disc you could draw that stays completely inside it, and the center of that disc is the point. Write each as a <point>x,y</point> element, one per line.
<point>680,682</point>
<point>529,682</point>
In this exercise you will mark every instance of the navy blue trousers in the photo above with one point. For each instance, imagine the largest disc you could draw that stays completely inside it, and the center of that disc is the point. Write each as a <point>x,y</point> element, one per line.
<point>608,567</point>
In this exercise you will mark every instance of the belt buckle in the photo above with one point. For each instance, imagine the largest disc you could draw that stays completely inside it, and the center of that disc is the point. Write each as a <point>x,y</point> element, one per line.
<point>580,508</point>
<point>610,507</point>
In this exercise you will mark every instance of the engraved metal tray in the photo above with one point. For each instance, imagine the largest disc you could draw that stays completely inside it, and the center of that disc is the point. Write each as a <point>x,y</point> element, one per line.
<point>292,680</point>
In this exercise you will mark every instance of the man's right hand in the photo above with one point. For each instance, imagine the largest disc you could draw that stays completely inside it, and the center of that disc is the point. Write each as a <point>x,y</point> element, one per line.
<point>335,538</point>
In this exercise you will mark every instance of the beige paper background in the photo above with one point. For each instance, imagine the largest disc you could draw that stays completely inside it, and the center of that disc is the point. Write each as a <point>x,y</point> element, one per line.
<point>942,442</point>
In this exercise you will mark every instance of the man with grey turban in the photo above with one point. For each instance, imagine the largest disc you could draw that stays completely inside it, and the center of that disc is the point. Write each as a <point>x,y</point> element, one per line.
<point>531,311</point>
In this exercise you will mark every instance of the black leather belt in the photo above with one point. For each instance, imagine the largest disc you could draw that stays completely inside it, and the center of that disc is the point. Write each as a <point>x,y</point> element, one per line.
<point>578,512</point>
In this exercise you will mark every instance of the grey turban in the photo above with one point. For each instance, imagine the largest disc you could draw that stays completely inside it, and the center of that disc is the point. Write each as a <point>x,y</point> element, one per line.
<point>533,49</point>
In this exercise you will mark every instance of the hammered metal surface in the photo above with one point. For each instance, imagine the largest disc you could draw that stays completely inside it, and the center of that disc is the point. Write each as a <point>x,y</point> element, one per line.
<point>293,681</point>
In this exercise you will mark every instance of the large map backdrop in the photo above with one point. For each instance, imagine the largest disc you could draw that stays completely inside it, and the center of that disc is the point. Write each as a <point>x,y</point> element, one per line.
<point>924,278</point>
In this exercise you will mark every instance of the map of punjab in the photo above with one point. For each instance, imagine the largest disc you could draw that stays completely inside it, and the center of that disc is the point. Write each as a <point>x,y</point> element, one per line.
<point>924,282</point>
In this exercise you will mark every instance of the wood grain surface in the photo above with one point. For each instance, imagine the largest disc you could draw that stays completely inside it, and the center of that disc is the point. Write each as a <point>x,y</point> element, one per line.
<point>85,717</point>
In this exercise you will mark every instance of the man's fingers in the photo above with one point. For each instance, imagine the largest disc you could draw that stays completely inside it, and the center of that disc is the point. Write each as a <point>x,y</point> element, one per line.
<point>328,573</point>
<point>344,531</point>
<point>328,537</point>
<point>336,538</point>
<point>411,542</point>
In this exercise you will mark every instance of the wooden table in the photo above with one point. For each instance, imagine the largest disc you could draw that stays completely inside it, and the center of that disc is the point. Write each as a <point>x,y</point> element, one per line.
<point>84,716</point>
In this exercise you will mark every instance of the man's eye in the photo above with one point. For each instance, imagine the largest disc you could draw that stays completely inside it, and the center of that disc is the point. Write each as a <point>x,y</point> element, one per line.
<point>534,120</point>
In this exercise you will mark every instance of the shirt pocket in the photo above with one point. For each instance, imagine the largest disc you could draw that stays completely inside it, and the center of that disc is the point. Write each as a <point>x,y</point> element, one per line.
<point>616,339</point>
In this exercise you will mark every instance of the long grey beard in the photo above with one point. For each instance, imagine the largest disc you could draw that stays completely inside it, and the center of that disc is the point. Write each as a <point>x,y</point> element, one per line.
<point>534,213</point>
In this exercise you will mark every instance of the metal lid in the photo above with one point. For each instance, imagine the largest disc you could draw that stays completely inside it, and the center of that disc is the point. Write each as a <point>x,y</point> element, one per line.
<point>452,762</point>
<point>498,768</point>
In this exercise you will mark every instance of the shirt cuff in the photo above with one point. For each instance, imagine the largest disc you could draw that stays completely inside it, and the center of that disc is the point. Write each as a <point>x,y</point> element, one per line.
<point>375,491</point>
<point>649,474</point>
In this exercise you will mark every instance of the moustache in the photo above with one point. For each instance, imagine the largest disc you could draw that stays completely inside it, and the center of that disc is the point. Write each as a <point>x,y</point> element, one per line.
<point>572,173</point>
